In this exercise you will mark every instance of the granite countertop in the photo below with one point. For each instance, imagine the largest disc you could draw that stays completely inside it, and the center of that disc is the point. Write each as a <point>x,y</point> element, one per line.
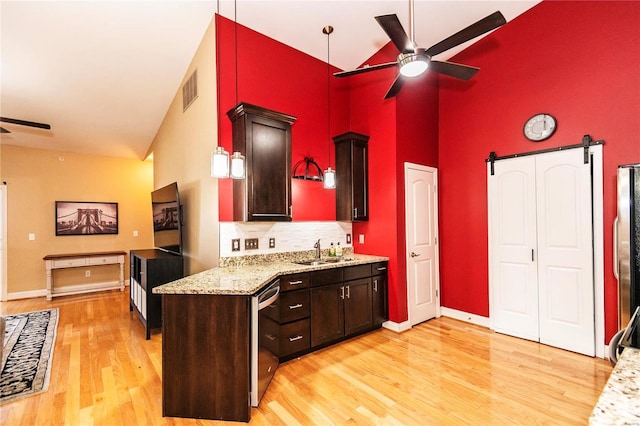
<point>248,279</point>
<point>619,403</point>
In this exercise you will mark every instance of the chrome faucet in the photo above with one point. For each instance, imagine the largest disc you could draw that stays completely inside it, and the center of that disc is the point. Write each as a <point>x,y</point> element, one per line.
<point>317,247</point>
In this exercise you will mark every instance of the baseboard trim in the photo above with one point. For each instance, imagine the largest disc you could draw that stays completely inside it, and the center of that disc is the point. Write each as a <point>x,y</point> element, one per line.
<point>398,327</point>
<point>26,294</point>
<point>466,317</point>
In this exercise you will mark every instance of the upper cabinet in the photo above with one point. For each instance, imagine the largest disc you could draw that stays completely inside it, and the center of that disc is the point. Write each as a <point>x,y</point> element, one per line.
<point>352,183</point>
<point>264,137</point>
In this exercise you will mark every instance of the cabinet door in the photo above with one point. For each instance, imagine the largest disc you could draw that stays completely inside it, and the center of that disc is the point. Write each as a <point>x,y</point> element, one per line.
<point>327,314</point>
<point>379,299</point>
<point>357,306</point>
<point>352,184</point>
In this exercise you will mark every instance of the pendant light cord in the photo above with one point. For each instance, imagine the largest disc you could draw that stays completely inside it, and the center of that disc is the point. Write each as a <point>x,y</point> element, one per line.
<point>235,35</point>
<point>328,30</point>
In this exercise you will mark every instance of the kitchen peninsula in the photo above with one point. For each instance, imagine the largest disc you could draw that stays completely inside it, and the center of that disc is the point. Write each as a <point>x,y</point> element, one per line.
<point>207,326</point>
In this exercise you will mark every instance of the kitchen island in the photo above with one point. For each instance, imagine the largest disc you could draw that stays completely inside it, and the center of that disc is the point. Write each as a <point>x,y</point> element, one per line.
<point>206,333</point>
<point>619,403</point>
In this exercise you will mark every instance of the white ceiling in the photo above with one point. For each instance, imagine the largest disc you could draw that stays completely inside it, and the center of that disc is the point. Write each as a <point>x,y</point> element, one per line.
<point>103,73</point>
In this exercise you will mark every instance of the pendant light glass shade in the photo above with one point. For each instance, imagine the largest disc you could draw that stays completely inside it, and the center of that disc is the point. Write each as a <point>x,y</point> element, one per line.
<point>237,165</point>
<point>220,163</point>
<point>329,178</point>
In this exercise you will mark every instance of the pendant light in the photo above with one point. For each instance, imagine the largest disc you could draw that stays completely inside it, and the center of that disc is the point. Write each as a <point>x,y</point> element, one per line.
<point>329,174</point>
<point>221,165</point>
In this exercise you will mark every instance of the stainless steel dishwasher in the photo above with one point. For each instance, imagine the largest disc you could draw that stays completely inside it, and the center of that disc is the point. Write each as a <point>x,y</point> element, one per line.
<point>264,340</point>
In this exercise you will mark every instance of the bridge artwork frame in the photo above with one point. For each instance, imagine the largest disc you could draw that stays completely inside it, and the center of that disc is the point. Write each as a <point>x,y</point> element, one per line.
<point>86,218</point>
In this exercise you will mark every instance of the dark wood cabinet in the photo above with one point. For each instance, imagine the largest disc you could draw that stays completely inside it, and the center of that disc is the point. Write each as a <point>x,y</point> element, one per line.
<point>379,284</point>
<point>352,182</point>
<point>291,315</point>
<point>149,269</point>
<point>342,309</point>
<point>264,137</point>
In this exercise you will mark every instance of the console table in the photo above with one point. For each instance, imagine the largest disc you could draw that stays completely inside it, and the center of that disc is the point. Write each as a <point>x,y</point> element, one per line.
<point>78,260</point>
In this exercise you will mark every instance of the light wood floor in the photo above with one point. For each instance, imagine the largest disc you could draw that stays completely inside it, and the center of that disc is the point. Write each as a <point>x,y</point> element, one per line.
<point>441,372</point>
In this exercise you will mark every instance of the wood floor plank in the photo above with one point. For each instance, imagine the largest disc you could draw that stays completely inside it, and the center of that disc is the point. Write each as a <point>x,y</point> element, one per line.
<point>443,371</point>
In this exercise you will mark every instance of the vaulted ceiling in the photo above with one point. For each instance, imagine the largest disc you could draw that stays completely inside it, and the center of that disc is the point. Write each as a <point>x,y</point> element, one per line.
<point>103,73</point>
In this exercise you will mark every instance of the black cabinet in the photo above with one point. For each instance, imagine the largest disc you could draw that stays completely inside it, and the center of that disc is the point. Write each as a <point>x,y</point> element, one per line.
<point>352,182</point>
<point>149,269</point>
<point>264,137</point>
<point>379,284</point>
<point>341,309</point>
<point>290,315</point>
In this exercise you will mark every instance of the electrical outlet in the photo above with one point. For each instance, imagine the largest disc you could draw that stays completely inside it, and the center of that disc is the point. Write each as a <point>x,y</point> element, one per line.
<point>87,273</point>
<point>348,238</point>
<point>250,243</point>
<point>235,244</point>
<point>272,243</point>
<point>135,233</point>
<point>32,236</point>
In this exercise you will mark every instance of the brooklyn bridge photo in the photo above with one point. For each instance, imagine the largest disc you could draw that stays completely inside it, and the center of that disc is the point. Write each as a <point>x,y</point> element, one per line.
<point>85,218</point>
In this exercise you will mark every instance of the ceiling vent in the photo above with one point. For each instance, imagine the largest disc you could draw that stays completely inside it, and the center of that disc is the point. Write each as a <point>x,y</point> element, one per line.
<point>190,91</point>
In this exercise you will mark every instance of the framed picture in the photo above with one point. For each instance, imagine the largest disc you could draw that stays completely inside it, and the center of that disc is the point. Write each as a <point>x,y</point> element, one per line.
<point>86,218</point>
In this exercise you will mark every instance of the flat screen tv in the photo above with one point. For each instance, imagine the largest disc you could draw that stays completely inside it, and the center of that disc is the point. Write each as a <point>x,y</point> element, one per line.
<point>167,219</point>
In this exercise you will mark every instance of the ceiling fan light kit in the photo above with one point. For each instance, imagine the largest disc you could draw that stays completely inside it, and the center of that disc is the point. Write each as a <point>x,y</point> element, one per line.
<point>414,61</point>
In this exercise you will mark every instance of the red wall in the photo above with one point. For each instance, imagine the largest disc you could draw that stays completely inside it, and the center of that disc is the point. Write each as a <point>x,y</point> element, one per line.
<point>579,61</point>
<point>275,76</point>
<point>404,128</point>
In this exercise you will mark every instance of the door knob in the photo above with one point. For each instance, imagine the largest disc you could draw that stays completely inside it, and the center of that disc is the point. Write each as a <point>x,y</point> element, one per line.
<point>414,254</point>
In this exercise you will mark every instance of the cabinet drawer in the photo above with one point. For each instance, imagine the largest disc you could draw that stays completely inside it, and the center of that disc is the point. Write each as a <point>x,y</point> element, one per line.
<point>379,268</point>
<point>356,272</point>
<point>295,281</point>
<point>68,263</point>
<point>327,276</point>
<point>294,305</point>
<point>294,337</point>
<point>103,260</point>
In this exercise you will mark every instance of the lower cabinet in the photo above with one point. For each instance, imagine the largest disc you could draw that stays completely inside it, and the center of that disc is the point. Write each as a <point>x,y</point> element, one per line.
<point>379,284</point>
<point>292,315</point>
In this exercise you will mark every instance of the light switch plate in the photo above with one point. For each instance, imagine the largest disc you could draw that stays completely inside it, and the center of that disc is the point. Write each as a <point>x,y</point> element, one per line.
<point>348,238</point>
<point>235,244</point>
<point>250,243</point>
<point>361,238</point>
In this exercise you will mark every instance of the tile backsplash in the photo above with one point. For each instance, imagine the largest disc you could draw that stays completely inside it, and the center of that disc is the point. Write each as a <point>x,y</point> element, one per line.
<point>288,236</point>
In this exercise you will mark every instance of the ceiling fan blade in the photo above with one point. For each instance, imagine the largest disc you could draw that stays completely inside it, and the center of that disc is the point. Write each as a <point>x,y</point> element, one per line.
<point>392,26</point>
<point>3,130</point>
<point>484,25</point>
<point>366,68</point>
<point>25,123</point>
<point>395,87</point>
<point>452,69</point>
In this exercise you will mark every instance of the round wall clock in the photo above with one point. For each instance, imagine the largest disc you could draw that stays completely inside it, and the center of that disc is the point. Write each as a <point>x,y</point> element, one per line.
<point>540,127</point>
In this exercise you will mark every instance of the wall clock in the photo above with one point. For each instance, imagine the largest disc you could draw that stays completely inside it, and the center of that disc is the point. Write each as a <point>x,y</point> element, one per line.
<point>540,127</point>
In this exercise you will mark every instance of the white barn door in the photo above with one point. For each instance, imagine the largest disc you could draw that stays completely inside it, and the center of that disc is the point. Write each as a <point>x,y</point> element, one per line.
<point>541,250</point>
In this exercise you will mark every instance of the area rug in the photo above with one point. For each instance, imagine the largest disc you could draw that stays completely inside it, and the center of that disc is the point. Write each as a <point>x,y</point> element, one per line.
<point>29,339</point>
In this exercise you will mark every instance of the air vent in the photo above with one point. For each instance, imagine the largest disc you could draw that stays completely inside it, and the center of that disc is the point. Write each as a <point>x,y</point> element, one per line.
<point>190,91</point>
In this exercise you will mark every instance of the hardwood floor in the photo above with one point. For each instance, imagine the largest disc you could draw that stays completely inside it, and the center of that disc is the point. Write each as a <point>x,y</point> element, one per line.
<point>441,372</point>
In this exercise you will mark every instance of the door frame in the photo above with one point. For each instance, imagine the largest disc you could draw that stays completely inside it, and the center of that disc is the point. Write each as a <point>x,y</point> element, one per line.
<point>3,241</point>
<point>597,197</point>
<point>433,170</point>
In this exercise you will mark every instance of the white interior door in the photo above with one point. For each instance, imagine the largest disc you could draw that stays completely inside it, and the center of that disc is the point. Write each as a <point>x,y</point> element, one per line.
<point>565,251</point>
<point>422,242</point>
<point>541,250</point>
<point>513,301</point>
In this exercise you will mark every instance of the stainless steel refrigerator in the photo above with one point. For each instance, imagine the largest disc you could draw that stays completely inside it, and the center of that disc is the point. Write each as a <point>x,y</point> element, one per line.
<point>627,249</point>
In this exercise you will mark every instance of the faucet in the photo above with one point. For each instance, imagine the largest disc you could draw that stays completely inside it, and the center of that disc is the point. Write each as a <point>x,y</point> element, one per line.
<point>317,247</point>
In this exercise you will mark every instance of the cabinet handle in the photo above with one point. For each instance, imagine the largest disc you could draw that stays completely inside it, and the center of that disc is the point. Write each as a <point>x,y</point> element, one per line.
<point>342,292</point>
<point>382,268</point>
<point>295,282</point>
<point>348,293</point>
<point>355,212</point>
<point>293,339</point>
<point>299,305</point>
<point>375,285</point>
<point>270,337</point>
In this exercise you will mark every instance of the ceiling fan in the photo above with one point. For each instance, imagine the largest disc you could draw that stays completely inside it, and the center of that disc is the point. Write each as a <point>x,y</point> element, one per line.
<point>22,123</point>
<point>414,61</point>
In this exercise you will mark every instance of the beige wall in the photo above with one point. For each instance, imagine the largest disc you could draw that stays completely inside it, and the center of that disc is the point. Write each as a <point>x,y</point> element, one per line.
<point>181,152</point>
<point>37,178</point>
